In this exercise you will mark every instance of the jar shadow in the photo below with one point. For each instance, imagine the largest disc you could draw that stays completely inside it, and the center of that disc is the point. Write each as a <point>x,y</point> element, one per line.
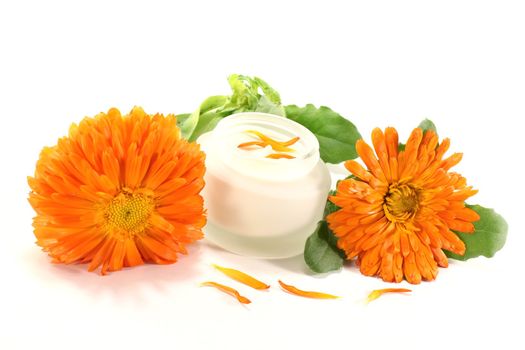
<point>297,265</point>
<point>294,264</point>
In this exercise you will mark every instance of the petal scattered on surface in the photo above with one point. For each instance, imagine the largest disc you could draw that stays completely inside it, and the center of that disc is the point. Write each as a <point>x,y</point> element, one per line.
<point>227,290</point>
<point>306,294</point>
<point>242,277</point>
<point>379,292</point>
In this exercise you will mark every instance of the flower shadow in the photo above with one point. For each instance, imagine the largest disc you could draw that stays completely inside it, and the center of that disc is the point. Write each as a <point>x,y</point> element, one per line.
<point>132,283</point>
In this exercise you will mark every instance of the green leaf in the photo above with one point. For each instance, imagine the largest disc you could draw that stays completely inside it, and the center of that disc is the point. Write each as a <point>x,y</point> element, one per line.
<point>245,94</point>
<point>207,122</point>
<point>266,106</point>
<point>329,209</point>
<point>427,125</point>
<point>213,102</point>
<point>181,118</point>
<point>252,95</point>
<point>319,254</point>
<point>267,90</point>
<point>248,95</point>
<point>337,136</point>
<point>188,123</point>
<point>489,237</point>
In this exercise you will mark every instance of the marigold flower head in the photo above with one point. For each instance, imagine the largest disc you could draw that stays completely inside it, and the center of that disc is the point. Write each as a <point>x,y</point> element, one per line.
<point>118,191</point>
<point>396,216</point>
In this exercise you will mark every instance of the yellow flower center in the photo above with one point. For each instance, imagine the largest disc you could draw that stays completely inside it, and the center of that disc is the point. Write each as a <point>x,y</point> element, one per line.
<point>401,202</point>
<point>128,213</point>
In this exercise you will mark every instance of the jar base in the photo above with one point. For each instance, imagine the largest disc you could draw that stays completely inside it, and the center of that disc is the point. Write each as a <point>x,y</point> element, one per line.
<point>275,247</point>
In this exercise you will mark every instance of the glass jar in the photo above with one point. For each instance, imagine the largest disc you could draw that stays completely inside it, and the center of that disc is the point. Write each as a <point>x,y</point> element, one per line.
<point>258,205</point>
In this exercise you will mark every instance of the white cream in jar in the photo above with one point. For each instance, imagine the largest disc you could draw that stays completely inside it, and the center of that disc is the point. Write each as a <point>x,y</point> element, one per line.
<point>263,199</point>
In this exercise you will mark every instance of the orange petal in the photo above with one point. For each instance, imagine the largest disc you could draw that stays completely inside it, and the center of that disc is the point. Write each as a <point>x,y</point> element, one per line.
<point>306,294</point>
<point>242,277</point>
<point>392,142</point>
<point>227,290</point>
<point>380,147</point>
<point>356,169</point>
<point>467,214</point>
<point>412,274</point>
<point>279,156</point>
<point>451,161</point>
<point>252,143</point>
<point>408,164</point>
<point>367,155</point>
<point>280,146</point>
<point>290,141</point>
<point>378,292</point>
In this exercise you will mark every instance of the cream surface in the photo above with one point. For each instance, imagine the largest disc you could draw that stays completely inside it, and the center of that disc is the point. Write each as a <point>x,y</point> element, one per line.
<point>236,130</point>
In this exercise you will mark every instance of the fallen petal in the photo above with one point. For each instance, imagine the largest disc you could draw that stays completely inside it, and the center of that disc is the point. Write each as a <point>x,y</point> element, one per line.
<point>378,292</point>
<point>227,290</point>
<point>306,294</point>
<point>242,277</point>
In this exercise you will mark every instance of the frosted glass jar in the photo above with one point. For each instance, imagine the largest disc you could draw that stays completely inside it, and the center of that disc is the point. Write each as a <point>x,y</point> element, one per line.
<point>259,206</point>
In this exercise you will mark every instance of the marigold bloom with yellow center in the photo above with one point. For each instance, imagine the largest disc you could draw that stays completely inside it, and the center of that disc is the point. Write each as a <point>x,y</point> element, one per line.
<point>396,216</point>
<point>119,191</point>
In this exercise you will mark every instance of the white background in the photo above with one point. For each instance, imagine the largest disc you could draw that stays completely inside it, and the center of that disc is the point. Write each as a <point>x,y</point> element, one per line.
<point>458,63</point>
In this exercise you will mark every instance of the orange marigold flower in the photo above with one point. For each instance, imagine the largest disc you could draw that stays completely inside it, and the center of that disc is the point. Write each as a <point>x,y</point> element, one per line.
<point>118,191</point>
<point>396,216</point>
